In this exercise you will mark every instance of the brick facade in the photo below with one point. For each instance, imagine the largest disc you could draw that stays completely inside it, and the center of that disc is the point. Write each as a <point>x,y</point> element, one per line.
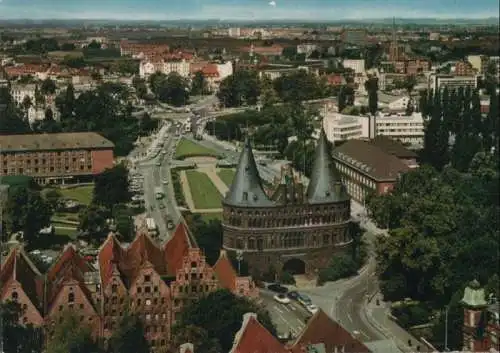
<point>154,281</point>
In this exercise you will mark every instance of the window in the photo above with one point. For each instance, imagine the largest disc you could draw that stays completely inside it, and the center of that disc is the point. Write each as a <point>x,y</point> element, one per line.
<point>114,288</point>
<point>147,289</point>
<point>193,264</point>
<point>245,196</point>
<point>15,295</point>
<point>155,289</point>
<point>71,297</point>
<point>147,278</point>
<point>139,289</point>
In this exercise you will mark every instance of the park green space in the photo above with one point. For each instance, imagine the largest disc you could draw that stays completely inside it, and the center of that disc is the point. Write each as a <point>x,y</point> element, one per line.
<point>227,175</point>
<point>81,194</point>
<point>207,217</point>
<point>205,194</point>
<point>187,148</point>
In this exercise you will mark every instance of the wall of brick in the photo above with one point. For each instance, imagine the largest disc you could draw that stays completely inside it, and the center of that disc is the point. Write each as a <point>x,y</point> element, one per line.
<point>101,160</point>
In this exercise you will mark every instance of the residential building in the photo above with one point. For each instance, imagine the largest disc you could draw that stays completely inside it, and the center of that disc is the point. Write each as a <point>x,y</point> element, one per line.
<point>273,50</point>
<point>20,91</point>
<point>439,81</point>
<point>321,334</point>
<point>354,36</point>
<point>417,66</point>
<point>147,68</point>
<point>481,326</point>
<point>395,148</point>
<point>56,158</point>
<point>234,32</point>
<point>434,36</point>
<point>37,113</point>
<point>464,68</point>
<point>357,65</point>
<point>366,168</point>
<point>386,80</point>
<point>306,48</point>
<point>142,50</point>
<point>154,281</point>
<point>478,62</point>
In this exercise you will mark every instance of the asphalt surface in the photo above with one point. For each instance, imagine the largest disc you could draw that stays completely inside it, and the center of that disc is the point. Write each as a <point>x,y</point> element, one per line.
<point>289,318</point>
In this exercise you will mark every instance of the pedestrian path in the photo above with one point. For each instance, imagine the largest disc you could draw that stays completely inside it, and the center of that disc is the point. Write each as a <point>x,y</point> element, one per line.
<point>216,180</point>
<point>186,190</point>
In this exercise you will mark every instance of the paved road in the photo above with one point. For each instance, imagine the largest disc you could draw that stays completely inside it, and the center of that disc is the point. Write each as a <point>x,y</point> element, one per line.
<point>288,318</point>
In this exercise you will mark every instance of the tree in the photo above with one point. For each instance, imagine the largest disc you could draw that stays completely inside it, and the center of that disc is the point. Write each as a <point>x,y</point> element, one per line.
<point>140,87</point>
<point>11,119</point>
<point>371,86</point>
<point>341,266</point>
<point>299,86</point>
<point>70,335</point>
<point>93,222</point>
<point>208,236</point>
<point>112,187</point>
<point>52,197</point>
<point>48,87</point>
<point>409,83</point>
<point>26,211</point>
<point>124,222</point>
<point>48,124</point>
<point>129,336</point>
<point>220,314</point>
<point>490,77</point>
<point>18,338</point>
<point>174,90</point>
<point>94,45</point>
<point>39,97</point>
<point>199,84</point>
<point>289,52</point>
<point>196,335</point>
<point>26,104</point>
<point>342,99</point>
<point>242,87</point>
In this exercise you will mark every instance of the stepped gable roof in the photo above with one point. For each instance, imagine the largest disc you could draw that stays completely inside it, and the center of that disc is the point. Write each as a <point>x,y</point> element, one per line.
<point>70,266</point>
<point>325,185</point>
<point>176,248</point>
<point>246,189</point>
<point>254,338</point>
<point>322,329</point>
<point>225,272</point>
<point>18,267</point>
<point>143,250</point>
<point>110,255</point>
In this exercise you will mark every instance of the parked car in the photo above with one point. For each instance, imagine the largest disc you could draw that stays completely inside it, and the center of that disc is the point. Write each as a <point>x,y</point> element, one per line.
<point>293,295</point>
<point>304,300</point>
<point>277,288</point>
<point>282,298</point>
<point>313,309</point>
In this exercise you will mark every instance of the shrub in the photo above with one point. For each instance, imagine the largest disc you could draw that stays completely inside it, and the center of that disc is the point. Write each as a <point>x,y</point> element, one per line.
<point>341,266</point>
<point>287,278</point>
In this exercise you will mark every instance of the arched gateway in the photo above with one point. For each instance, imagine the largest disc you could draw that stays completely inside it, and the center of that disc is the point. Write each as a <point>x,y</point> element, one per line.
<point>294,266</point>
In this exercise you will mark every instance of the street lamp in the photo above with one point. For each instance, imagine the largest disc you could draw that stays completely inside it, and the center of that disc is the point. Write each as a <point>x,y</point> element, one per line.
<point>239,258</point>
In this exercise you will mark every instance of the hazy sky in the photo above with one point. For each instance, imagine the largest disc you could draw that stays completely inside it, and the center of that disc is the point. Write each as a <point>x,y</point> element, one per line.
<point>246,9</point>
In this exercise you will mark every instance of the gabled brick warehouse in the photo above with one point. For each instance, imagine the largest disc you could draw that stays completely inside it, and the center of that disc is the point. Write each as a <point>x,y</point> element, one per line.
<point>155,281</point>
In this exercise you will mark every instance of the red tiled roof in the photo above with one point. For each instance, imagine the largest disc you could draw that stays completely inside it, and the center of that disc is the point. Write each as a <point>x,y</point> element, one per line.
<point>110,253</point>
<point>69,266</point>
<point>143,249</point>
<point>225,271</point>
<point>254,338</point>
<point>176,248</point>
<point>322,329</point>
<point>210,70</point>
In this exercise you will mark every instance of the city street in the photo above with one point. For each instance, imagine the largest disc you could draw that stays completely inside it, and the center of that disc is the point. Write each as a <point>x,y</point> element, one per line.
<point>288,318</point>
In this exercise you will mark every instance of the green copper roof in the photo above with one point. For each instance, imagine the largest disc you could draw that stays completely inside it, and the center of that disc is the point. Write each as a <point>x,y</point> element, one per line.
<point>246,189</point>
<point>474,295</point>
<point>325,184</point>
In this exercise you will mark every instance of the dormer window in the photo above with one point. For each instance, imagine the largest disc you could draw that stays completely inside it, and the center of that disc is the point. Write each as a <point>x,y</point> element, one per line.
<point>71,297</point>
<point>15,296</point>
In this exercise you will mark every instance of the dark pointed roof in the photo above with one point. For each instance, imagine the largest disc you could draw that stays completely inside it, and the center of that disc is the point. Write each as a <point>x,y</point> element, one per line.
<point>325,184</point>
<point>246,189</point>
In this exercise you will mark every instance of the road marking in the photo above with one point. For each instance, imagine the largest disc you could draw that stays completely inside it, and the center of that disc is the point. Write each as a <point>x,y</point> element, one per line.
<point>364,334</point>
<point>278,309</point>
<point>349,317</point>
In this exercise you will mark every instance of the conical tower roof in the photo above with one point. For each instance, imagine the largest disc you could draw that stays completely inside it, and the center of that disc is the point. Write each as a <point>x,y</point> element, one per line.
<point>325,185</point>
<point>246,189</point>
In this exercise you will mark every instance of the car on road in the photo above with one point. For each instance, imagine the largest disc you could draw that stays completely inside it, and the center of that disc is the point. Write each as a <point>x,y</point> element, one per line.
<point>277,288</point>
<point>313,309</point>
<point>304,300</point>
<point>282,299</point>
<point>158,164</point>
<point>170,225</point>
<point>162,206</point>
<point>293,295</point>
<point>165,181</point>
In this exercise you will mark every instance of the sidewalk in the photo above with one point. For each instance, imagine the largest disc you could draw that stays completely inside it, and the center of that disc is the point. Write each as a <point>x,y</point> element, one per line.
<point>378,316</point>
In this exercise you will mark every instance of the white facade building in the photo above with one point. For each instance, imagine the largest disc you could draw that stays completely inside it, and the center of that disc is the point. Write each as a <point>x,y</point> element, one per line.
<point>225,69</point>
<point>357,65</point>
<point>19,91</point>
<point>407,129</point>
<point>234,32</point>
<point>306,48</point>
<point>147,68</point>
<point>439,81</point>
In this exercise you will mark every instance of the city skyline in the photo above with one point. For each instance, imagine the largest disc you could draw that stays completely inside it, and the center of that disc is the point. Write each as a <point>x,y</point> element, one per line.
<point>320,10</point>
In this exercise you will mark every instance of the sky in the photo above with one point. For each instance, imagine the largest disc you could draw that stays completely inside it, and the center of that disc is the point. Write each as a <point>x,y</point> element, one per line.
<point>319,10</point>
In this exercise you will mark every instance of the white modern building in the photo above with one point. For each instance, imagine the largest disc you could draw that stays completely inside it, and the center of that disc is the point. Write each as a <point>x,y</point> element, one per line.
<point>407,129</point>
<point>234,32</point>
<point>357,65</point>
<point>439,81</point>
<point>306,48</point>
<point>20,91</point>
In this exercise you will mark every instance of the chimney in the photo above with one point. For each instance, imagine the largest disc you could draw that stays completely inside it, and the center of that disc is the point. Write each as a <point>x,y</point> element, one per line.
<point>186,348</point>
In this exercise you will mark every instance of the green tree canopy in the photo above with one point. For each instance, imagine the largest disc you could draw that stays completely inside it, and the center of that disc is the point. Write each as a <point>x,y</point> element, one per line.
<point>18,338</point>
<point>112,187</point>
<point>199,84</point>
<point>220,314</point>
<point>242,87</point>
<point>128,337</point>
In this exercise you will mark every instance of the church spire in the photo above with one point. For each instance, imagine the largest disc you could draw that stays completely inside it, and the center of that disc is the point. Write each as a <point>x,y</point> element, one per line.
<point>325,184</point>
<point>246,189</point>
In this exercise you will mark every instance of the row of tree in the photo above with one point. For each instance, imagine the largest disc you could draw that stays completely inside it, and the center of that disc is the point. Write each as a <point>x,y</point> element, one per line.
<point>443,217</point>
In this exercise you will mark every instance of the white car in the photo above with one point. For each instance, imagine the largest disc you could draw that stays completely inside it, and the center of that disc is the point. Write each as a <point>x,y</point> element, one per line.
<point>313,309</point>
<point>165,182</point>
<point>281,298</point>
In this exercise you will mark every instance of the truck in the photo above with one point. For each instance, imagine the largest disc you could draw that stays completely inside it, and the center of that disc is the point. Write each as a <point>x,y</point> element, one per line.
<point>159,192</point>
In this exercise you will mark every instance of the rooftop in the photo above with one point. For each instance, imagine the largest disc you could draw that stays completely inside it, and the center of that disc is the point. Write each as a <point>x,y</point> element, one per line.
<point>51,142</point>
<point>370,159</point>
<point>393,147</point>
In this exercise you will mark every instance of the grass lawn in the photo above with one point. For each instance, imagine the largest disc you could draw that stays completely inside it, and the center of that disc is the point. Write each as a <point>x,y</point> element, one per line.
<point>205,194</point>
<point>207,217</point>
<point>187,148</point>
<point>82,194</point>
<point>226,175</point>
<point>65,231</point>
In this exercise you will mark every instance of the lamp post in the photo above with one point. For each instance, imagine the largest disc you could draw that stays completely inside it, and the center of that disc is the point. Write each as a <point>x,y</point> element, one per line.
<point>239,258</point>
<point>446,329</point>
